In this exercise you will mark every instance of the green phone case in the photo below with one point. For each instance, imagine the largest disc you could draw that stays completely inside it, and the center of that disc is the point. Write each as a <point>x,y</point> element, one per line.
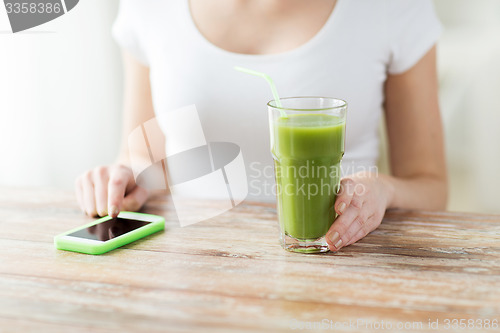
<point>157,224</point>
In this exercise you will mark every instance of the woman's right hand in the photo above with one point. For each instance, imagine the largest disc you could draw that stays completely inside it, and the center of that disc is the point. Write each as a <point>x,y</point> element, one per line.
<point>109,190</point>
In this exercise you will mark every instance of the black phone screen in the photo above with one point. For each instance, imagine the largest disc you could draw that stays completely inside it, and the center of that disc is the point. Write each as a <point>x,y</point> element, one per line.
<point>109,229</point>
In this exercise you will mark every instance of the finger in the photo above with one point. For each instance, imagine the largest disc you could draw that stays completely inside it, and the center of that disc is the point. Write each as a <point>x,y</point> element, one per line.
<point>360,228</point>
<point>120,180</point>
<point>79,193</point>
<point>88,194</point>
<point>135,199</point>
<point>357,237</point>
<point>340,232</point>
<point>101,179</point>
<point>344,195</point>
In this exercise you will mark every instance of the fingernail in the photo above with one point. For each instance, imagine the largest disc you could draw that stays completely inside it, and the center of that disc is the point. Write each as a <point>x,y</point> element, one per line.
<point>341,207</point>
<point>338,244</point>
<point>114,211</point>
<point>334,238</point>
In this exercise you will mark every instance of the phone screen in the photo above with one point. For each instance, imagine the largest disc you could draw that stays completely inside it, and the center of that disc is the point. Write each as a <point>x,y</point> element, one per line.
<point>109,229</point>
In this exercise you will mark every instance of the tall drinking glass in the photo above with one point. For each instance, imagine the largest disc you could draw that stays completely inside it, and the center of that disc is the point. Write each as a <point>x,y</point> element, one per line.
<point>307,144</point>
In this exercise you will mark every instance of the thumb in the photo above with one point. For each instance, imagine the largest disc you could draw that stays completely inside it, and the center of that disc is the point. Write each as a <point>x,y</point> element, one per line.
<point>135,199</point>
<point>345,194</point>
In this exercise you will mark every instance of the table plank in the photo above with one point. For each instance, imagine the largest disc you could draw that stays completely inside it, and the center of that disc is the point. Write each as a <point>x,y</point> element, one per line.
<point>229,273</point>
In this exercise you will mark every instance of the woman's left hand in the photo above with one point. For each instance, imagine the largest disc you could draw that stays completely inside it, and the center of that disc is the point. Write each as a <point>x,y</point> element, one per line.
<point>361,203</point>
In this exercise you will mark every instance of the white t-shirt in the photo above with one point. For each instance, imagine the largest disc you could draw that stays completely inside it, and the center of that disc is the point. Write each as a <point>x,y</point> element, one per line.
<point>349,58</point>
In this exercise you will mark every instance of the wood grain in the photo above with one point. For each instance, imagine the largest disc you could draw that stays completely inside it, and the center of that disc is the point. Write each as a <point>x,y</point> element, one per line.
<point>229,274</point>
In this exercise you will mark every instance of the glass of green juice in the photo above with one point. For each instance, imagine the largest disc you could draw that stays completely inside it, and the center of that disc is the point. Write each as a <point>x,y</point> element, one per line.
<point>307,144</point>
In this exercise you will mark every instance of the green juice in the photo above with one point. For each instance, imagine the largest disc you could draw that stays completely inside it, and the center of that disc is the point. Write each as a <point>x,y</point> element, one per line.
<point>307,150</point>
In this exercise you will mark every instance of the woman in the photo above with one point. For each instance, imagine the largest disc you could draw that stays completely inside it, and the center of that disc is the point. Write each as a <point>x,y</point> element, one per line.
<point>379,55</point>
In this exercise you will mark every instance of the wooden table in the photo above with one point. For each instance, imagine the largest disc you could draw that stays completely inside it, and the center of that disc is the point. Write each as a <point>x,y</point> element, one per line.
<point>229,274</point>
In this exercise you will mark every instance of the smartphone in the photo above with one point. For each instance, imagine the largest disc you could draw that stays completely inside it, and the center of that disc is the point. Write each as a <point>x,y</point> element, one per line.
<point>107,233</point>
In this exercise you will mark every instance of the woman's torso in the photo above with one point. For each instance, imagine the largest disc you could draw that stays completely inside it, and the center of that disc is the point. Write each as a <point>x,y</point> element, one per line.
<point>346,57</point>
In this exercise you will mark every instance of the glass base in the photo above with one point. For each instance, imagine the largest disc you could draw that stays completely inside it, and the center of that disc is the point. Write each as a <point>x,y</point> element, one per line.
<point>304,245</point>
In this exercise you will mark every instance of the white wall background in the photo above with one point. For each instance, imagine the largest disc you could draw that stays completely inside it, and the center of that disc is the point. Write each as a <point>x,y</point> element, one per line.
<point>469,70</point>
<point>60,98</point>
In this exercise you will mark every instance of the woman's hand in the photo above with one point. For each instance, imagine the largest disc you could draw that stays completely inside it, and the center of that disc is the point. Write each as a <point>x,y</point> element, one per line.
<point>109,189</point>
<point>361,204</point>
<point>417,160</point>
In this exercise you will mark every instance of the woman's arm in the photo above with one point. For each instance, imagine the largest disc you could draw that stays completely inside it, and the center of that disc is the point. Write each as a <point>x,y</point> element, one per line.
<point>416,138</point>
<point>110,189</point>
<point>137,105</point>
<point>418,179</point>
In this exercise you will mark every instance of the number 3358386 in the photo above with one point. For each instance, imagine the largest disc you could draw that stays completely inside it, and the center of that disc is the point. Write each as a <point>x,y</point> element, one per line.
<point>457,324</point>
<point>33,8</point>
